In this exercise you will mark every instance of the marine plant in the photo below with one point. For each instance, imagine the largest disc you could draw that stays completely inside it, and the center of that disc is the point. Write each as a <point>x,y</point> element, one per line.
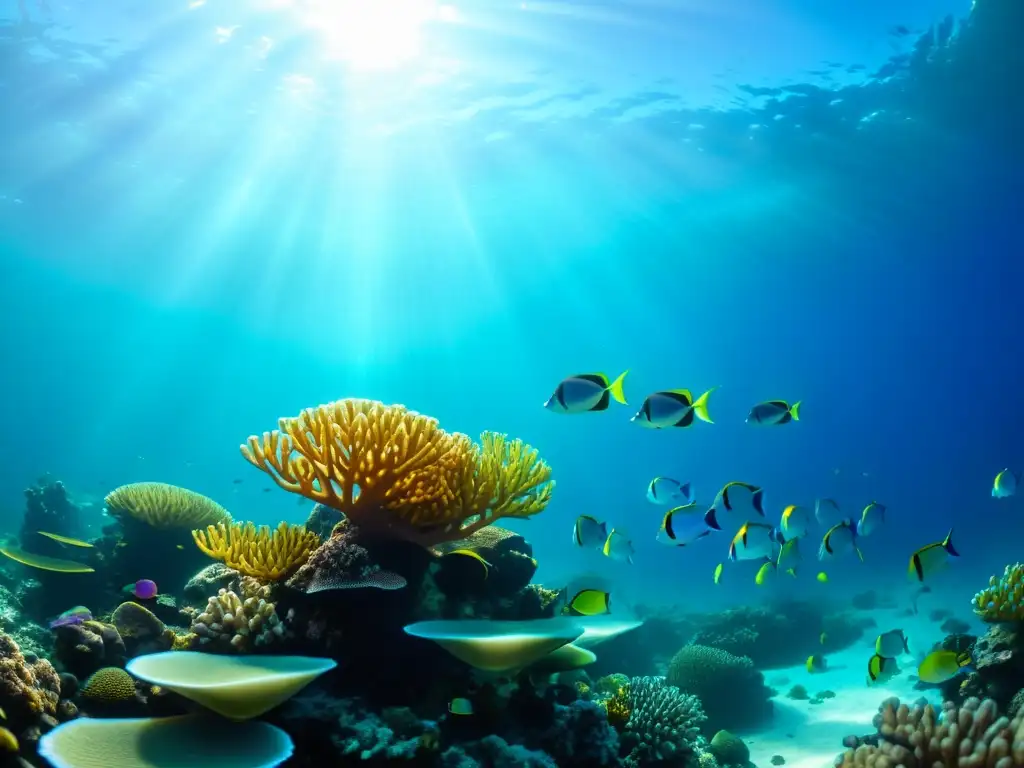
<point>395,473</point>
<point>164,506</point>
<point>262,553</point>
<point>967,736</point>
<point>664,723</point>
<point>1003,598</point>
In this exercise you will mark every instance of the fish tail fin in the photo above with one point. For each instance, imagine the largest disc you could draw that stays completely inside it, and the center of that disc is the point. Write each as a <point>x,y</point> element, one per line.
<point>700,406</point>
<point>616,391</point>
<point>947,544</point>
<point>794,410</point>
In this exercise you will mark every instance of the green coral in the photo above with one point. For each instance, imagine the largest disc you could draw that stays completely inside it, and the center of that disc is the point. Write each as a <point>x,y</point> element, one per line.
<point>729,749</point>
<point>610,684</point>
<point>732,691</point>
<point>1003,598</point>
<point>109,685</point>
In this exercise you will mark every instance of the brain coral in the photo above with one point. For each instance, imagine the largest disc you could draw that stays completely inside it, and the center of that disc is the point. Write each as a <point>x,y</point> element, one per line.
<point>732,691</point>
<point>160,505</point>
<point>109,685</point>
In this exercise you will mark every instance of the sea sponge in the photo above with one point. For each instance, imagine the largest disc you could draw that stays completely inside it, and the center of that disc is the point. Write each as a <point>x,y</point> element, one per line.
<point>396,473</point>
<point>29,688</point>
<point>664,723</point>
<point>1003,599</point>
<point>164,506</point>
<point>732,692</point>
<point>140,629</point>
<point>239,623</point>
<point>109,685</point>
<point>258,552</point>
<point>970,736</point>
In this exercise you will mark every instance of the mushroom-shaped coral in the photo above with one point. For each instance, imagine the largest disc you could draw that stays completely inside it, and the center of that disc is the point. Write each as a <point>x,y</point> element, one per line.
<point>239,623</point>
<point>164,506</point>
<point>604,627</point>
<point>966,736</point>
<point>498,646</point>
<point>237,687</point>
<point>664,723</point>
<point>170,742</point>
<point>565,659</point>
<point>265,554</point>
<point>1003,598</point>
<point>396,473</point>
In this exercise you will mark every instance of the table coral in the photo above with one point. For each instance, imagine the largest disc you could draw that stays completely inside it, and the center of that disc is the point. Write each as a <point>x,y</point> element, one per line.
<point>970,736</point>
<point>262,553</point>
<point>1003,598</point>
<point>396,473</point>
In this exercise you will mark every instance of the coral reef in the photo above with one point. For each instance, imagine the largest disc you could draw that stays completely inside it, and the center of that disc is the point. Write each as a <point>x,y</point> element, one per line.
<point>232,622</point>
<point>1003,598</point>
<point>509,564</point>
<point>732,692</point>
<point>29,691</point>
<point>109,691</point>
<point>48,508</point>
<point>269,555</point>
<point>395,473</point>
<point>140,630</point>
<point>164,506</point>
<point>663,725</point>
<point>969,736</point>
<point>84,648</point>
<point>729,749</point>
<point>341,562</point>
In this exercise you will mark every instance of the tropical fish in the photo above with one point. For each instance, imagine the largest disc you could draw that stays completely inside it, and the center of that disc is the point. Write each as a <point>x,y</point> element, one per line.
<point>789,557</point>
<point>1005,484</point>
<point>872,517</point>
<point>75,615</point>
<point>839,539</point>
<point>682,525</point>
<point>718,572</point>
<point>940,666</point>
<point>881,669</point>
<point>932,558</point>
<point>618,546</point>
<point>772,412</point>
<point>823,638</point>
<point>822,577</point>
<point>891,644</point>
<point>591,602</point>
<point>473,556</point>
<point>816,664</point>
<point>588,532</point>
<point>827,512</point>
<point>736,503</point>
<point>65,539</point>
<point>765,573</point>
<point>672,408</point>
<point>460,706</point>
<point>586,392</point>
<point>795,522</point>
<point>665,490</point>
<point>753,541</point>
<point>143,589</point>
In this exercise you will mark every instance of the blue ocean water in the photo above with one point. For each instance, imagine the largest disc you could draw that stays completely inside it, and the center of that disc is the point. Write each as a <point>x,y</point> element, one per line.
<point>218,213</point>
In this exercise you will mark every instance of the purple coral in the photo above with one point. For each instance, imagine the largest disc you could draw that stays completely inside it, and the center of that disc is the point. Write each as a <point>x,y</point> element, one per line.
<point>341,563</point>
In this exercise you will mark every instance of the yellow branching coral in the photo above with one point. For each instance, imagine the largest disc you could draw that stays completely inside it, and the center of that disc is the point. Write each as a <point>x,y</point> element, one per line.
<point>618,708</point>
<point>160,505</point>
<point>265,554</point>
<point>1003,599</point>
<point>395,472</point>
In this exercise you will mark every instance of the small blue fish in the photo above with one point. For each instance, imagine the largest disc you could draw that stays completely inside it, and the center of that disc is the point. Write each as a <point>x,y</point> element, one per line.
<point>795,522</point>
<point>735,504</point>
<point>682,525</point>
<point>618,546</point>
<point>753,541</point>
<point>1005,484</point>
<point>827,512</point>
<point>871,518</point>
<point>932,558</point>
<point>840,539</point>
<point>588,532</point>
<point>665,490</point>
<point>772,412</point>
<point>673,408</point>
<point>586,392</point>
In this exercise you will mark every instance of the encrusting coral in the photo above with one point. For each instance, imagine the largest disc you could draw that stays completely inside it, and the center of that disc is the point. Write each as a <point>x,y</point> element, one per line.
<point>233,622</point>
<point>1003,599</point>
<point>262,553</point>
<point>395,473</point>
<point>163,506</point>
<point>970,736</point>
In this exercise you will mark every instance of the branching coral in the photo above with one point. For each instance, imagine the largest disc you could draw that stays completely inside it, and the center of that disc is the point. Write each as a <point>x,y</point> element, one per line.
<point>970,736</point>
<point>394,472</point>
<point>664,723</point>
<point>239,623</point>
<point>163,506</point>
<point>262,553</point>
<point>1003,599</point>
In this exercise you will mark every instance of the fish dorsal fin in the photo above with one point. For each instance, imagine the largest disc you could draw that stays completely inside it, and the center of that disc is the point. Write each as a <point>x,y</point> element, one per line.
<point>779,404</point>
<point>594,378</point>
<point>679,395</point>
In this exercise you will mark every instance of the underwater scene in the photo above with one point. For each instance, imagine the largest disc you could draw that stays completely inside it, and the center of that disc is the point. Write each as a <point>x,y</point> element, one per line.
<point>499,383</point>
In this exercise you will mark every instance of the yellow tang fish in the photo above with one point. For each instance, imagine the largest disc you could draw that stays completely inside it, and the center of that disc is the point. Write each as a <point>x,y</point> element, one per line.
<point>940,666</point>
<point>816,664</point>
<point>65,539</point>
<point>931,558</point>
<point>718,572</point>
<point>765,573</point>
<point>591,602</point>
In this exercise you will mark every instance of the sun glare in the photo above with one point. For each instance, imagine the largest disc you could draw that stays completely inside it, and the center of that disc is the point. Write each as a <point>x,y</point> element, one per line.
<point>371,34</point>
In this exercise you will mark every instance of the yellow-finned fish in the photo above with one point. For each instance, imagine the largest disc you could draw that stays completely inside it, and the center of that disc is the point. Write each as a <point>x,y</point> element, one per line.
<point>469,553</point>
<point>718,572</point>
<point>735,504</point>
<point>618,546</point>
<point>1005,484</point>
<point>795,522</point>
<point>666,490</point>
<point>789,557</point>
<point>589,532</point>
<point>840,539</point>
<point>765,573</point>
<point>932,558</point>
<point>586,392</point>
<point>881,669</point>
<point>460,706</point>
<point>753,541</point>
<point>871,518</point>
<point>891,644</point>
<point>772,412</point>
<point>940,666</point>
<point>591,602</point>
<point>65,539</point>
<point>673,408</point>
<point>816,664</point>
<point>682,525</point>
<point>827,512</point>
